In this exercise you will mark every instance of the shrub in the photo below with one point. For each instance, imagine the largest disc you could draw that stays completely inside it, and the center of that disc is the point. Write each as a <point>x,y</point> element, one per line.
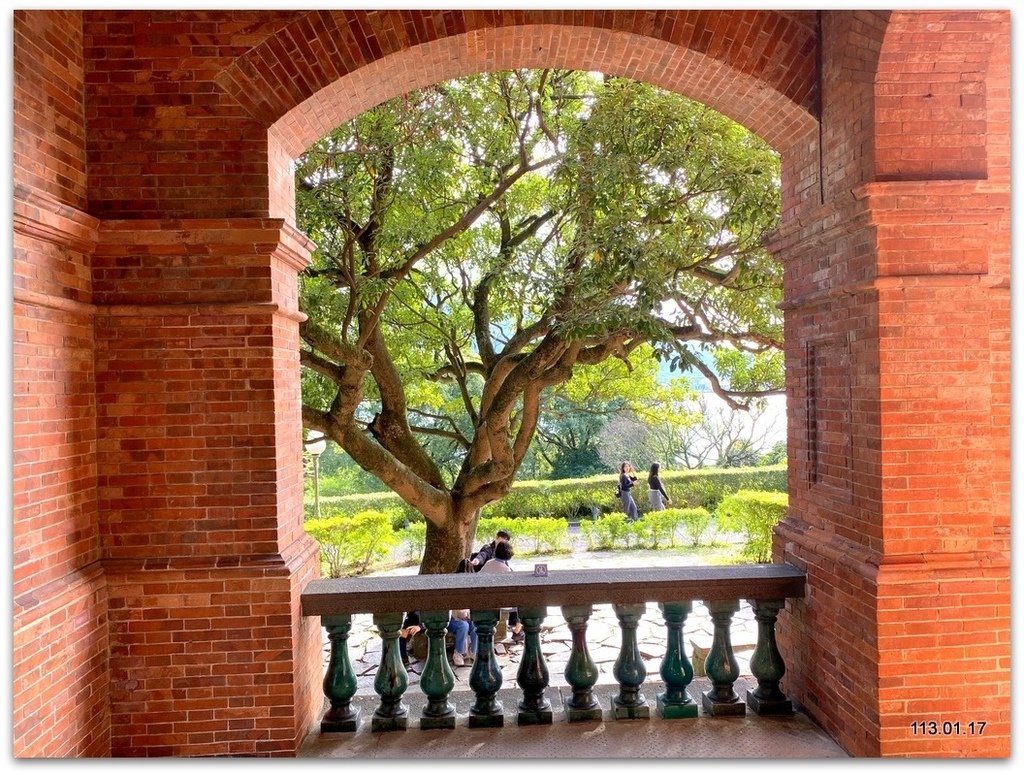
<point>591,533</point>
<point>486,527</point>
<point>532,535</point>
<point>352,543</point>
<point>639,534</point>
<point>413,540</point>
<point>705,489</point>
<point>607,532</point>
<point>661,527</point>
<point>401,513</point>
<point>547,534</point>
<point>754,514</point>
<point>695,523</point>
<point>654,530</point>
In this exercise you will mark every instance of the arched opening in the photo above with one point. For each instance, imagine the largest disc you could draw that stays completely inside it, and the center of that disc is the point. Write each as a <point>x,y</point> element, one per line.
<point>486,243</point>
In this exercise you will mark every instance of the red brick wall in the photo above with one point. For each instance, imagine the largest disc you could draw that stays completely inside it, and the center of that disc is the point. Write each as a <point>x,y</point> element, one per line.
<point>944,387</point>
<point>49,99</point>
<point>164,140</point>
<point>908,565</point>
<point>212,658</point>
<point>931,107</point>
<point>833,531</point>
<point>59,657</point>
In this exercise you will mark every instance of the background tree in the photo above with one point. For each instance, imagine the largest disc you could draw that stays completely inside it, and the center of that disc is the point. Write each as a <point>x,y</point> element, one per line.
<point>578,413</point>
<point>624,438</point>
<point>726,438</point>
<point>480,240</point>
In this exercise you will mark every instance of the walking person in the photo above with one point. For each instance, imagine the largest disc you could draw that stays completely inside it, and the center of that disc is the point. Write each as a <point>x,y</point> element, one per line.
<point>627,478</point>
<point>656,495</point>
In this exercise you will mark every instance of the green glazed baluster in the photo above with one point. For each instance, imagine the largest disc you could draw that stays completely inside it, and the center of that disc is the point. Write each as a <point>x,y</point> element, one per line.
<point>392,680</point>
<point>533,672</point>
<point>580,670</point>
<point>629,668</point>
<point>721,665</point>
<point>766,663</point>
<point>485,677</point>
<point>437,679</point>
<point>340,679</point>
<point>676,670</point>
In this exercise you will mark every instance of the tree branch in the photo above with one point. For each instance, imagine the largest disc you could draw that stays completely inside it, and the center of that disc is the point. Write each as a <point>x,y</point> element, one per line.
<point>319,338</point>
<point>730,396</point>
<point>391,427</point>
<point>320,365</point>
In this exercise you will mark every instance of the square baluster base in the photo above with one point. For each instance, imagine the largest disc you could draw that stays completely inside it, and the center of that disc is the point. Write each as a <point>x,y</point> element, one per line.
<point>389,723</point>
<point>446,721</point>
<point>712,708</point>
<point>477,721</point>
<point>676,710</point>
<point>583,714</point>
<point>350,724</point>
<point>527,718</point>
<point>769,707</point>
<point>639,711</point>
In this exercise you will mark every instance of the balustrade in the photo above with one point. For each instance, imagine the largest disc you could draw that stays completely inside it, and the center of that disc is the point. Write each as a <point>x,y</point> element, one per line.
<point>766,587</point>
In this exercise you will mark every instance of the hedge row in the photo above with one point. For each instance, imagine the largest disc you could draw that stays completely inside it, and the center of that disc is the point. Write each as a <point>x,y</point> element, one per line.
<point>572,499</point>
<point>350,545</point>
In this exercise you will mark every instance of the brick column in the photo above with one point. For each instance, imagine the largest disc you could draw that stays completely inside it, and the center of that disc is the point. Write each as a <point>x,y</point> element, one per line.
<point>59,596</point>
<point>897,333</point>
<point>199,485</point>
<point>943,587</point>
<point>58,658</point>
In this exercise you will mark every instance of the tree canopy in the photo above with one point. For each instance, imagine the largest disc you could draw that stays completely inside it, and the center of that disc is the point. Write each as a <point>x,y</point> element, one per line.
<point>483,240</point>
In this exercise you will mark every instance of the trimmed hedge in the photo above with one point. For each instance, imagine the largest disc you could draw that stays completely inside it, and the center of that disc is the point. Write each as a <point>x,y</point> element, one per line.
<point>350,545</point>
<point>533,535</point>
<point>570,499</point>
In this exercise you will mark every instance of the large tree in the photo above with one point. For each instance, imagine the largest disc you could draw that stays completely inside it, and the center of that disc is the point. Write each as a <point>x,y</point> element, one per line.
<point>481,239</point>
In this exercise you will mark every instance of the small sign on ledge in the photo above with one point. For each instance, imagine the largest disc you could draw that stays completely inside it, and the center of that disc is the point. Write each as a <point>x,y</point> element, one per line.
<point>540,569</point>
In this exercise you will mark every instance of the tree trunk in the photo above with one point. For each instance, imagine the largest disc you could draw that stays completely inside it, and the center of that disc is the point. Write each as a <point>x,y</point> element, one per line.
<point>448,544</point>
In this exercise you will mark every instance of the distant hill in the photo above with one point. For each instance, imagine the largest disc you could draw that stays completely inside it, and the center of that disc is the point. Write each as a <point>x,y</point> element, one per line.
<point>697,380</point>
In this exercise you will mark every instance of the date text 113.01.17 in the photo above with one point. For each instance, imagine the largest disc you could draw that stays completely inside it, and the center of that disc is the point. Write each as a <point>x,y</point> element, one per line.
<point>948,727</point>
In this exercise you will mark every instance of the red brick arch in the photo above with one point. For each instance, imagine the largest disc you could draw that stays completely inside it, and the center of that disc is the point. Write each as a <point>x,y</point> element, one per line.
<point>759,68</point>
<point>180,103</point>
<point>311,76</point>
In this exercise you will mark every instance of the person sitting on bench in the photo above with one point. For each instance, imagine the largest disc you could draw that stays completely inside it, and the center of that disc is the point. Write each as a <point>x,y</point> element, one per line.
<point>499,564</point>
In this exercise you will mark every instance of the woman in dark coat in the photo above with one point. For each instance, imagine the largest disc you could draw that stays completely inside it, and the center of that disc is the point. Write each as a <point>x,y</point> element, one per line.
<point>656,495</point>
<point>627,478</point>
